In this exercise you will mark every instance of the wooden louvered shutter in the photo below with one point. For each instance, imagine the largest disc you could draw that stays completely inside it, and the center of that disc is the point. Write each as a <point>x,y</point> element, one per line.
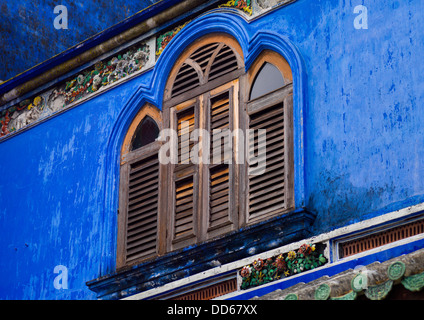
<point>138,219</point>
<point>140,225</point>
<point>184,183</point>
<point>143,192</point>
<point>221,197</point>
<point>270,189</point>
<point>203,196</point>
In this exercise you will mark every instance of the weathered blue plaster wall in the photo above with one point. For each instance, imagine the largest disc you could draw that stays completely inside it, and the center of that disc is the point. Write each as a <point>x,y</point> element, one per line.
<point>363,145</point>
<point>28,36</point>
<point>364,139</point>
<point>52,200</point>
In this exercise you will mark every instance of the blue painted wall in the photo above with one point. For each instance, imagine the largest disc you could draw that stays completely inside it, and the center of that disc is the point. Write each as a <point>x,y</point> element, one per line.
<point>28,36</point>
<point>363,145</point>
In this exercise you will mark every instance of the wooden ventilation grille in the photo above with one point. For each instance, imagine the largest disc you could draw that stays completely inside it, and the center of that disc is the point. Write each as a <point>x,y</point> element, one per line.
<point>187,78</point>
<point>379,239</point>
<point>184,208</point>
<point>142,209</point>
<point>203,55</point>
<point>225,62</point>
<point>210,292</point>
<point>266,190</point>
<point>206,63</point>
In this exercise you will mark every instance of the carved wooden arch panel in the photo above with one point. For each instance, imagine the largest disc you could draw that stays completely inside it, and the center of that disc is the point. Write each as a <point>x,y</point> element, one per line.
<point>206,59</point>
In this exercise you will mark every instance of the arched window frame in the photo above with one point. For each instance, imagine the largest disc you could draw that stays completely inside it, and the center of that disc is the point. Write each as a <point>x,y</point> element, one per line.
<point>241,82</point>
<point>128,158</point>
<point>284,96</point>
<point>200,98</point>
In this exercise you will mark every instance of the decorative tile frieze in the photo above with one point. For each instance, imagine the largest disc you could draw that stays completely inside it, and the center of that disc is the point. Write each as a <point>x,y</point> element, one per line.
<point>81,86</point>
<point>163,39</point>
<point>260,272</point>
<point>244,5</point>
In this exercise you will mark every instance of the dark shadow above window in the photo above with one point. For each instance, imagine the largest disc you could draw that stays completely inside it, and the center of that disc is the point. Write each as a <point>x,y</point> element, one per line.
<point>269,78</point>
<point>146,132</point>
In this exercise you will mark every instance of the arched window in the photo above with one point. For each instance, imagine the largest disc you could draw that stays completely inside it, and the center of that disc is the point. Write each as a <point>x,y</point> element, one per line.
<point>270,108</point>
<point>138,219</point>
<point>202,94</point>
<point>228,174</point>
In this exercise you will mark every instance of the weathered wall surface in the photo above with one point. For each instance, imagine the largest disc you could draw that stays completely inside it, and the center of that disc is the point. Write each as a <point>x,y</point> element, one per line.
<point>363,145</point>
<point>28,35</point>
<point>364,128</point>
<point>52,196</point>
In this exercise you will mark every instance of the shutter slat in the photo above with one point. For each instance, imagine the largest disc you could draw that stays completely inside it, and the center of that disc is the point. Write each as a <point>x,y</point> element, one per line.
<point>143,170</point>
<point>219,193</point>
<point>142,232</point>
<point>225,62</point>
<point>146,206</point>
<point>147,179</point>
<point>142,226</point>
<point>143,200</point>
<point>184,207</point>
<point>184,135</point>
<point>141,244</point>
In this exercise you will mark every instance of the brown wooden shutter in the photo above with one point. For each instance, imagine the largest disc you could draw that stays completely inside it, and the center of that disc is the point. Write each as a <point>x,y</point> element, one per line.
<point>142,217</point>
<point>221,215</point>
<point>184,211</point>
<point>267,190</point>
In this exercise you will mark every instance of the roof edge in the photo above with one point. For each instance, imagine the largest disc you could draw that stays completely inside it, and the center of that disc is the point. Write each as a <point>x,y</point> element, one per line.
<point>91,48</point>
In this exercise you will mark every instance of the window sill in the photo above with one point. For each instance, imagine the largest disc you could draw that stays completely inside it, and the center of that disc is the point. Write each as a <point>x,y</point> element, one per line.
<point>267,235</point>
